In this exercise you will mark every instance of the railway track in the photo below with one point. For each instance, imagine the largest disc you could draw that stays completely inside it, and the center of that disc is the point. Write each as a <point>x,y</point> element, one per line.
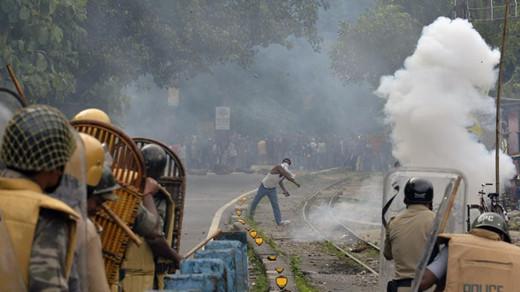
<point>351,243</point>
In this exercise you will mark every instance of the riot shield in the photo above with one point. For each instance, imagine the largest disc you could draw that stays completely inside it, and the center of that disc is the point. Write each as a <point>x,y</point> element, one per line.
<point>174,181</point>
<point>449,203</point>
<point>10,274</point>
<point>73,191</point>
<point>128,169</point>
<point>10,102</point>
<point>172,194</point>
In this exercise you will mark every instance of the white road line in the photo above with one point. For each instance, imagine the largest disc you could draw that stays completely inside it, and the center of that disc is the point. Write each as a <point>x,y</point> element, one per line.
<point>215,223</point>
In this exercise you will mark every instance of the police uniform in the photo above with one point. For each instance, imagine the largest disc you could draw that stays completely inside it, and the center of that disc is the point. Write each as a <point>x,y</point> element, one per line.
<point>408,232</point>
<point>42,229</point>
<point>97,277</point>
<point>480,260</point>
<point>139,267</point>
<point>406,238</point>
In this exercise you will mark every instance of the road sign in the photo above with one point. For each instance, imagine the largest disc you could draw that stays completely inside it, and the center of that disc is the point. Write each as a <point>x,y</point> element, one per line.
<point>222,118</point>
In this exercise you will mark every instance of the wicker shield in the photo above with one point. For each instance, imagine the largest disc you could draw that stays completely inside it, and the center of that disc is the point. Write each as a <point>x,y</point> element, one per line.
<point>174,181</point>
<point>128,169</point>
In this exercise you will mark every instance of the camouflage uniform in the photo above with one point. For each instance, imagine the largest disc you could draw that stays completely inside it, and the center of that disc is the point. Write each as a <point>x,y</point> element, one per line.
<point>49,248</point>
<point>47,265</point>
<point>38,139</point>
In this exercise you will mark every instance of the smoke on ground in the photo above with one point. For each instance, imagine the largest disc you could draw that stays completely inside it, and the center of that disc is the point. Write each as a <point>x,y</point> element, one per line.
<point>431,102</point>
<point>358,207</point>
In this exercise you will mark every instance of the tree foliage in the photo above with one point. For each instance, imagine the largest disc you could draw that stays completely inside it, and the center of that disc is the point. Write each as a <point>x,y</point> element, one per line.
<point>86,51</point>
<point>39,39</point>
<point>388,34</point>
<point>375,45</point>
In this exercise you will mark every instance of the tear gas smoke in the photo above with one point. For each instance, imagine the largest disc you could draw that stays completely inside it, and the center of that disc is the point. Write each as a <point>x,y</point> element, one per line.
<point>430,102</point>
<point>360,207</point>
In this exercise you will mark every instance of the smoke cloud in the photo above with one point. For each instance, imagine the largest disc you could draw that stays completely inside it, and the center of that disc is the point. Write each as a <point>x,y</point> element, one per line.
<point>430,103</point>
<point>358,208</point>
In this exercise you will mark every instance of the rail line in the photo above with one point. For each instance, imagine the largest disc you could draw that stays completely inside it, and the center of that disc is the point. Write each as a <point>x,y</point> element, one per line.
<point>350,230</point>
<point>349,254</point>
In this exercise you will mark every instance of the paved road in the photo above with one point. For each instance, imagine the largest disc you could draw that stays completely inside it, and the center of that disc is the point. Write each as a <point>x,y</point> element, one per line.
<point>205,195</point>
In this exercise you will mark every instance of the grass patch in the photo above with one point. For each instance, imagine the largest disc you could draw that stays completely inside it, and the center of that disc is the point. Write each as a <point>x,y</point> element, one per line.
<point>261,281</point>
<point>267,239</point>
<point>372,253</point>
<point>302,284</point>
<point>329,248</point>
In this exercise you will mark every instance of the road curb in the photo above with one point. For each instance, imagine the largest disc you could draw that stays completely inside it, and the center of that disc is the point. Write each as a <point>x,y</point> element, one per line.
<point>274,263</point>
<point>217,218</point>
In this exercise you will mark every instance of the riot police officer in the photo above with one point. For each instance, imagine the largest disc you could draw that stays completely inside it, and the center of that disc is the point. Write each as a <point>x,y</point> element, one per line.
<point>36,146</point>
<point>155,162</point>
<point>100,188</point>
<point>156,244</point>
<point>483,260</point>
<point>407,233</point>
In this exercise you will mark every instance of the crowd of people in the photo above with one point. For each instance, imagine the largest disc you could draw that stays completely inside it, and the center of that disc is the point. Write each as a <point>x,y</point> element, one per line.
<point>237,152</point>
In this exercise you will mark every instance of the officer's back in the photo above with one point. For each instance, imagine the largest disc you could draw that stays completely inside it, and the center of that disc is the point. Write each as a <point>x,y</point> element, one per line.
<point>408,232</point>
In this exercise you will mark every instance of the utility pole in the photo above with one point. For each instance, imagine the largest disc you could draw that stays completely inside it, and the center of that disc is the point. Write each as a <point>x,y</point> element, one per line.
<point>499,93</point>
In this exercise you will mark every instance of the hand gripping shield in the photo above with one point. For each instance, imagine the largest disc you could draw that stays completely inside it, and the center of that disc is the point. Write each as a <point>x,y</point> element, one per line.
<point>73,191</point>
<point>173,180</point>
<point>449,201</point>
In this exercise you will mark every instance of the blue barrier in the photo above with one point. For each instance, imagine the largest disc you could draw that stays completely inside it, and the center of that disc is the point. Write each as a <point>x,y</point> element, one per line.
<point>228,257</point>
<point>191,282</point>
<point>241,237</point>
<point>221,266</point>
<point>241,278</point>
<point>207,266</point>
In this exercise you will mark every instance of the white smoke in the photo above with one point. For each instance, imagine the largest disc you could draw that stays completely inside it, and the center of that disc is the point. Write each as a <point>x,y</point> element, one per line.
<point>430,102</point>
<point>357,206</point>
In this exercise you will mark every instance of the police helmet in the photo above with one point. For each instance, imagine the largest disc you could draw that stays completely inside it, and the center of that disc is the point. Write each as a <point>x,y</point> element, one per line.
<point>493,222</point>
<point>37,138</point>
<point>418,191</point>
<point>94,158</point>
<point>93,114</point>
<point>154,160</point>
<point>106,186</point>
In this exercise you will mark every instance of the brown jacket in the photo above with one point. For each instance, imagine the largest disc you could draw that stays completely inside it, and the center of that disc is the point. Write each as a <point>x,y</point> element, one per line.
<point>482,262</point>
<point>406,238</point>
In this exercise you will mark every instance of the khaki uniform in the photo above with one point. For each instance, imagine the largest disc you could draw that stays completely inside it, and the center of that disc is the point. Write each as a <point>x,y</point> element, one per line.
<point>139,265</point>
<point>97,278</point>
<point>406,238</point>
<point>43,232</point>
<point>165,207</point>
<point>480,261</point>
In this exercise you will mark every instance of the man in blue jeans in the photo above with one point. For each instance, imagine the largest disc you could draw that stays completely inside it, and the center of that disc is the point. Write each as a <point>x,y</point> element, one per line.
<point>268,188</point>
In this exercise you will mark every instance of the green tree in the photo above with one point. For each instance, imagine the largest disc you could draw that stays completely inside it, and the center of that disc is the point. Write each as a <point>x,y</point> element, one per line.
<point>39,38</point>
<point>77,52</point>
<point>375,45</point>
<point>378,42</point>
